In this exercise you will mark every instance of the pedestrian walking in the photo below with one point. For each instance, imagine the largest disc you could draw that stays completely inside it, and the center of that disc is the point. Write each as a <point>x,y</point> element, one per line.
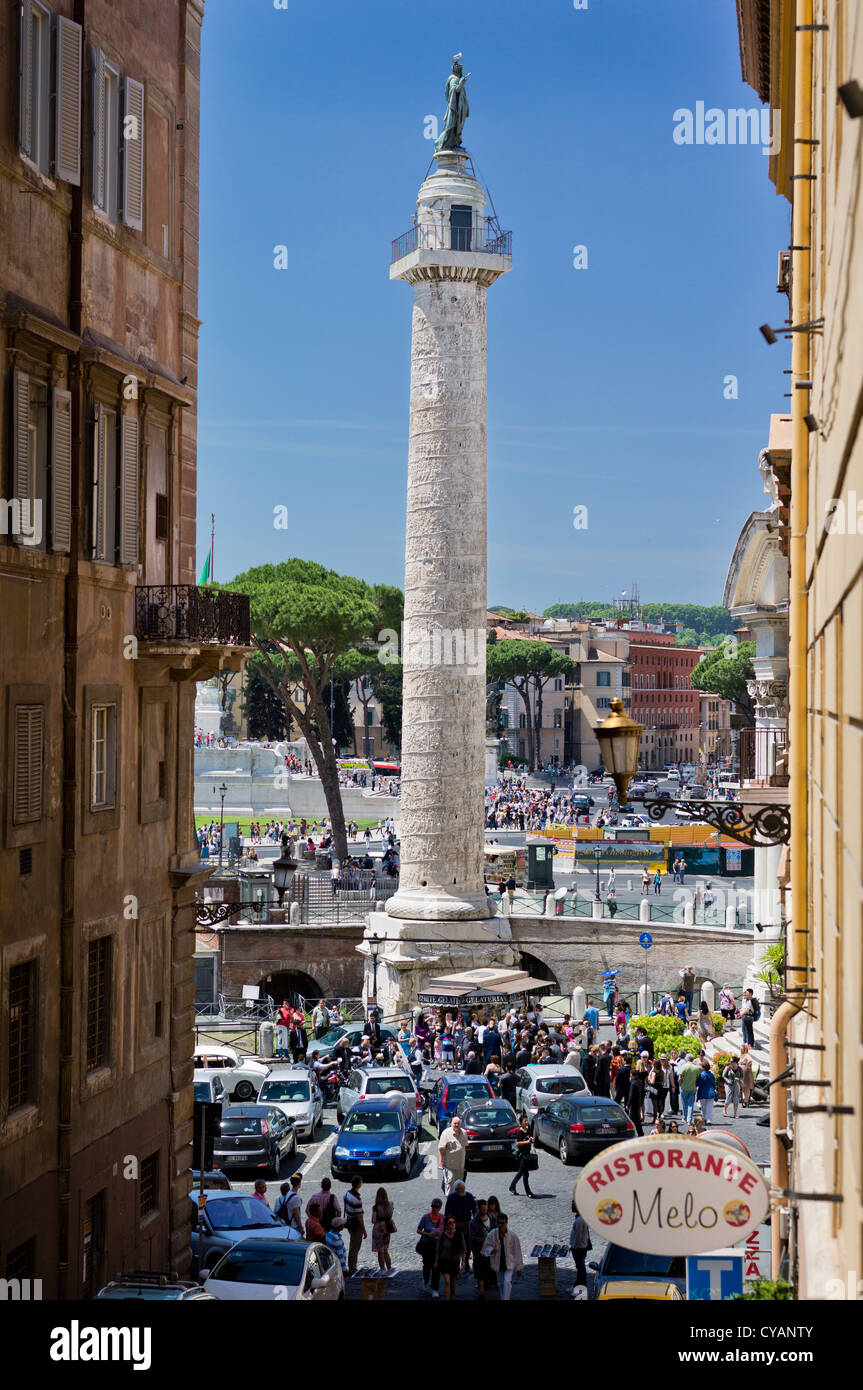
<point>355,1222</point>
<point>523,1146</point>
<point>335,1241</point>
<point>283,1024</point>
<point>503,1248</point>
<point>727,1004</point>
<point>635,1099</point>
<point>579,1244</point>
<point>383,1226</point>
<point>602,1079</point>
<point>657,1088</point>
<point>732,1077</point>
<point>261,1192</point>
<point>645,881</point>
<point>687,981</point>
<point>750,1012</point>
<point>657,881</point>
<point>320,1019</point>
<point>461,1206</point>
<point>688,1074</point>
<point>452,1153</point>
<point>747,1076</point>
<point>705,1090</point>
<point>478,1232</point>
<point>447,1257</point>
<point>430,1230</point>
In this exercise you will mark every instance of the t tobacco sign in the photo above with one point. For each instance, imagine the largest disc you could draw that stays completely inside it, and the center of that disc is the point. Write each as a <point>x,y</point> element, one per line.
<point>672,1195</point>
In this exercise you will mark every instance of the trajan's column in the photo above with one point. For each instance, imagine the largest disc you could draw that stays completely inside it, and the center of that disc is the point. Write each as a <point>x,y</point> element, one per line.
<point>440,918</point>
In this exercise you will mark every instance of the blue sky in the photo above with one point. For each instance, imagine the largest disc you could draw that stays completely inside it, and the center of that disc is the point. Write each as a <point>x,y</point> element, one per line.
<point>605,385</point>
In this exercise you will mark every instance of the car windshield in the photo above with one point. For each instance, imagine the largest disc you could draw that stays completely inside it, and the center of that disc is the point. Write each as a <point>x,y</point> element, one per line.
<point>606,1114</point>
<point>284,1090</point>
<point>240,1214</point>
<point>379,1085</point>
<point>559,1085</point>
<point>373,1122</point>
<point>262,1266</point>
<point>497,1115</point>
<point>331,1038</point>
<point>620,1261</point>
<point>471,1090</point>
<point>241,1126</point>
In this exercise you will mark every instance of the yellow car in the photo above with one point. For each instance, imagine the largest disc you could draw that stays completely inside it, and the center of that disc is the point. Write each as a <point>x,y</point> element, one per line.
<point>658,1289</point>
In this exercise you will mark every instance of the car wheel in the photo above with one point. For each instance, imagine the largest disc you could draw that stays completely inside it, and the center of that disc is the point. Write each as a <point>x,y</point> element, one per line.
<point>563,1150</point>
<point>244,1090</point>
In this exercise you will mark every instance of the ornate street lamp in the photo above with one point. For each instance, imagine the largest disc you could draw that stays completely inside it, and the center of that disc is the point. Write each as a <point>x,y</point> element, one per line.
<point>375,944</point>
<point>753,825</point>
<point>284,868</point>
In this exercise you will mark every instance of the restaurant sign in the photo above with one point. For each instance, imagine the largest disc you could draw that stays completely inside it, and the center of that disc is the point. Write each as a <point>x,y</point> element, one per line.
<point>672,1195</point>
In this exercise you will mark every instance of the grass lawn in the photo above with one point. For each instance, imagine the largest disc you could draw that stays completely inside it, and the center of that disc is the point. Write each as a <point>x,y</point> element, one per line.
<point>244,824</point>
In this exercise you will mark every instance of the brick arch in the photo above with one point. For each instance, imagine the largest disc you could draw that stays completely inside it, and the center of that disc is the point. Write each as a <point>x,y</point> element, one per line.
<point>540,970</point>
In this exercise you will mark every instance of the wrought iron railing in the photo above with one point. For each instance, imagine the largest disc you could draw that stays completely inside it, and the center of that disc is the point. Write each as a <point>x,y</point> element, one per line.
<point>763,757</point>
<point>433,237</point>
<point>186,613</point>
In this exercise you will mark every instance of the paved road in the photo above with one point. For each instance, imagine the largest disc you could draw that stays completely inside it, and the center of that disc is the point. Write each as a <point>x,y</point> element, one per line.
<point>543,1220</point>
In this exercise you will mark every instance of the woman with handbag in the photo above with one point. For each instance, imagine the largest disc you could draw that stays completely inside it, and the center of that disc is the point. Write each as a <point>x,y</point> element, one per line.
<point>430,1230</point>
<point>526,1159</point>
<point>657,1089</point>
<point>383,1227</point>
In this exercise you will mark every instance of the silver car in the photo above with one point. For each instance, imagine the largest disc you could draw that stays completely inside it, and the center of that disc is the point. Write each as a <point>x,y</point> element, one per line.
<point>540,1083</point>
<point>365,1084</point>
<point>295,1091</point>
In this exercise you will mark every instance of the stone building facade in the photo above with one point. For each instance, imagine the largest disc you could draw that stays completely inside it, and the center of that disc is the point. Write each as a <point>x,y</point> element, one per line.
<point>103,635</point>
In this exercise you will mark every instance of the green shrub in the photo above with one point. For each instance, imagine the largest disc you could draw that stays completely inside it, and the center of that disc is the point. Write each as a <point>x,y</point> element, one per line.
<point>658,1027</point>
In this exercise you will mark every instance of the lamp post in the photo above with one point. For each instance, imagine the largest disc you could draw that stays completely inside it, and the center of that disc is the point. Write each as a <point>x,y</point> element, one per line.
<point>284,868</point>
<point>223,791</point>
<point>597,856</point>
<point>375,944</point>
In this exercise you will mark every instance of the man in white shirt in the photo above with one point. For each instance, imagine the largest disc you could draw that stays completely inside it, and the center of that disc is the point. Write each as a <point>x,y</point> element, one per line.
<point>503,1248</point>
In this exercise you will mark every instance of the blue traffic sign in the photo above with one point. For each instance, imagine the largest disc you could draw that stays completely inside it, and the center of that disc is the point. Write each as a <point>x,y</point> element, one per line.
<point>645,940</point>
<point>714,1277</point>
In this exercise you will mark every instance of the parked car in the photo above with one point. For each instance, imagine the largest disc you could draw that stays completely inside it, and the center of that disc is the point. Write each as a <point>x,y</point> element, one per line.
<point>241,1077</point>
<point>378,1081</point>
<point>208,1087</point>
<point>491,1127</point>
<point>619,1266</point>
<point>326,1045</point>
<point>582,801</point>
<point>377,1138</point>
<point>149,1287</point>
<point>295,1091</point>
<point>652,1289</point>
<point>263,1269</point>
<point>225,1218</point>
<point>449,1092</point>
<point>254,1136</point>
<point>577,1127</point>
<point>212,1180</point>
<point>539,1083</point>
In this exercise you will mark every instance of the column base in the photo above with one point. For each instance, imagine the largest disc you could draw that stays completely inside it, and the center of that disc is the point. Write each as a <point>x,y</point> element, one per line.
<point>416,951</point>
<point>437,905</point>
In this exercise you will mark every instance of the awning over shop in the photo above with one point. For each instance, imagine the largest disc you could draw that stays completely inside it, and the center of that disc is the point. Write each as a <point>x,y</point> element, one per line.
<point>470,987</point>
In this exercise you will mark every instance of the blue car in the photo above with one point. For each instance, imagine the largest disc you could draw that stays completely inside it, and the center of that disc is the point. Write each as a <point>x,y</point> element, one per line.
<point>377,1137</point>
<point>453,1088</point>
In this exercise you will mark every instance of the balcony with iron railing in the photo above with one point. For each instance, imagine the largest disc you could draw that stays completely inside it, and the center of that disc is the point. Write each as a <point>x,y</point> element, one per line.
<point>185,613</point>
<point>432,236</point>
<point>763,757</point>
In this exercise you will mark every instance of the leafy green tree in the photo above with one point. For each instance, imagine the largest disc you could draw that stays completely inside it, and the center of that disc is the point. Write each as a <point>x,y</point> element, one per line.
<point>725,671</point>
<point>386,681</point>
<point>528,665</point>
<point>311,616</point>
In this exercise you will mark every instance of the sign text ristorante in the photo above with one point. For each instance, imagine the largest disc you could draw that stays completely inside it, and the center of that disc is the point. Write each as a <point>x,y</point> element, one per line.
<point>672,1195</point>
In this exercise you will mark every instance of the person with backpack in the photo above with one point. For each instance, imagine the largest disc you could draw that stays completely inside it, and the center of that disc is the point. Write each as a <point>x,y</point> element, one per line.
<point>327,1202</point>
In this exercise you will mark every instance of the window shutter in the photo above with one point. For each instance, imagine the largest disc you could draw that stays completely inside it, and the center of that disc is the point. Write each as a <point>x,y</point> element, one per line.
<point>22,479</point>
<point>133,153</point>
<point>61,471</point>
<point>99,128</point>
<point>67,143</point>
<point>25,80</point>
<point>129,492</point>
<point>99,484</point>
<point>27,768</point>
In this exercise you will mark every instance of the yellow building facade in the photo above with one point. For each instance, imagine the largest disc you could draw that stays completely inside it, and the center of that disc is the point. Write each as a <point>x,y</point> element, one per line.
<point>800,56</point>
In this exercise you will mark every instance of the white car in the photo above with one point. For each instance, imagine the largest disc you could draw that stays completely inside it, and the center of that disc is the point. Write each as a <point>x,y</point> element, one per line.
<point>242,1077</point>
<point>276,1271</point>
<point>295,1091</point>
